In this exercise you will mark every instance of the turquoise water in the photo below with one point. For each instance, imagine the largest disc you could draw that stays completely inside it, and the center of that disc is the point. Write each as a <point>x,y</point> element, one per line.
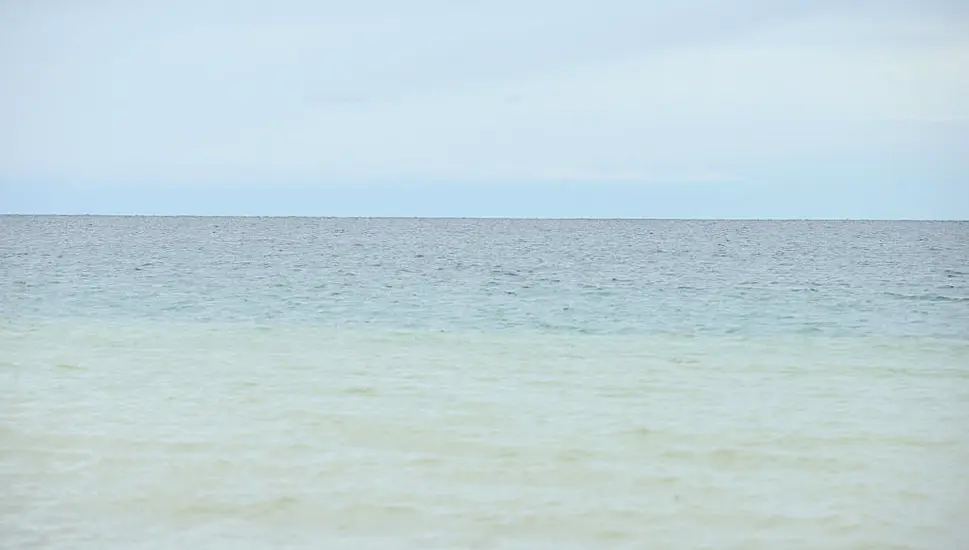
<point>265,383</point>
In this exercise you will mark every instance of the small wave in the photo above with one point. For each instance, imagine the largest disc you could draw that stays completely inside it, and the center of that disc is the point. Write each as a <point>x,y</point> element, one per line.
<point>211,507</point>
<point>641,432</point>
<point>68,366</point>
<point>359,390</point>
<point>553,327</point>
<point>927,297</point>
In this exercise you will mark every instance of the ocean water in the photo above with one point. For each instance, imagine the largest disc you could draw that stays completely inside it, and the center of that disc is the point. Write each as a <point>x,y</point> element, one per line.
<point>435,384</point>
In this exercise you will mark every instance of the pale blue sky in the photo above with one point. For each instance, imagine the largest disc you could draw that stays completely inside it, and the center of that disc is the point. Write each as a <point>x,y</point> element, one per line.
<point>614,108</point>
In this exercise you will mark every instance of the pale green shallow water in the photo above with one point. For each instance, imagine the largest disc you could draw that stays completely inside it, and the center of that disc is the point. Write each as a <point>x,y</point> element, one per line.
<point>231,383</point>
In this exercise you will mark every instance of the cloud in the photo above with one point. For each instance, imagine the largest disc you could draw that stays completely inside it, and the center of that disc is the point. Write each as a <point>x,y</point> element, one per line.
<point>214,92</point>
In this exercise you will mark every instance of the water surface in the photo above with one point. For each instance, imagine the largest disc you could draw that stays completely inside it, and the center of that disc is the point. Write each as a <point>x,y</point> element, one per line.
<point>287,382</point>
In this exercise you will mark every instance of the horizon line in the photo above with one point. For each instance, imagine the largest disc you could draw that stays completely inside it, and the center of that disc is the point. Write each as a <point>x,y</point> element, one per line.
<point>472,218</point>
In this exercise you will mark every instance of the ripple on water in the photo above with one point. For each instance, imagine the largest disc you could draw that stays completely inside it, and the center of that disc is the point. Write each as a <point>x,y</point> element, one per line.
<point>373,384</point>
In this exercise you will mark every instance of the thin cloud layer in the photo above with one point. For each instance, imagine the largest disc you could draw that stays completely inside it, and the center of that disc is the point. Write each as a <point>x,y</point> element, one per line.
<point>321,93</point>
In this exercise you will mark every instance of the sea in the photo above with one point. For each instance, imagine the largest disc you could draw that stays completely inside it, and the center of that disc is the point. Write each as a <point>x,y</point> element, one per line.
<point>236,383</point>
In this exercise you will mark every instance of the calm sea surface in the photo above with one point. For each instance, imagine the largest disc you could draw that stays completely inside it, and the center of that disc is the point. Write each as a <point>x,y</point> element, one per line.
<point>433,384</point>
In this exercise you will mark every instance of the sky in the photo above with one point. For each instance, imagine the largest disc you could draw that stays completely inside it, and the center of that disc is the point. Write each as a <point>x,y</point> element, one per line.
<point>540,108</point>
